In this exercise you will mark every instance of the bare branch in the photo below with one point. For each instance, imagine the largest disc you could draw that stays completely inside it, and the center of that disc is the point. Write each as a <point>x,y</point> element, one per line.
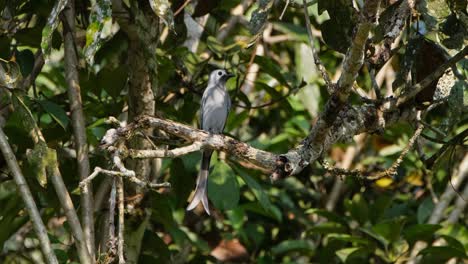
<point>162,153</point>
<point>123,173</point>
<point>121,223</point>
<point>28,199</point>
<point>78,123</point>
<point>67,205</point>
<point>350,121</point>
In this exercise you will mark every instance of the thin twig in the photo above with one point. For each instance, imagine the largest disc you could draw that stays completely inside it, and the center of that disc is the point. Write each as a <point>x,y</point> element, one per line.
<point>28,199</point>
<point>390,172</point>
<point>125,173</point>
<point>413,91</point>
<point>78,123</point>
<point>121,223</point>
<point>181,7</point>
<point>458,139</point>
<point>284,9</point>
<point>318,62</point>
<point>393,169</point>
<point>374,83</point>
<point>272,102</point>
<point>435,130</point>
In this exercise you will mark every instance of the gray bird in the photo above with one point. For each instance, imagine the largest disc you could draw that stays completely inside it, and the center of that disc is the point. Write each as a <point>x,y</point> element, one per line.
<point>214,110</point>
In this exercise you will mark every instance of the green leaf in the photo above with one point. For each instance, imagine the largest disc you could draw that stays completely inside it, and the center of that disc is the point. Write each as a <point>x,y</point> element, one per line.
<point>294,31</point>
<point>452,242</point>
<point>337,31</point>
<point>330,216</point>
<point>348,238</point>
<point>358,208</point>
<point>215,46</point>
<point>269,66</point>
<point>52,23</point>
<point>441,254</point>
<point>417,232</point>
<point>389,229</point>
<point>223,189</point>
<point>328,228</point>
<point>306,246</point>
<point>25,59</point>
<point>100,28</point>
<point>347,253</point>
<point>57,112</point>
<point>425,210</point>
<point>259,193</point>
<point>181,185</point>
<point>113,81</point>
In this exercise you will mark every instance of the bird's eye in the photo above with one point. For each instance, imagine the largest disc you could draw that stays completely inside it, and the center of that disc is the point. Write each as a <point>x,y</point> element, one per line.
<point>220,73</point>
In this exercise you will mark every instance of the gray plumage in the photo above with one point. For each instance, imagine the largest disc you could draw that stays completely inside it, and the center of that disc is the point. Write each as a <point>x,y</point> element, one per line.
<point>214,110</point>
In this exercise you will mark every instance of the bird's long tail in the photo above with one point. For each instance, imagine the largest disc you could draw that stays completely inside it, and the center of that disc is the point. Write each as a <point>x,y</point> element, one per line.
<point>202,180</point>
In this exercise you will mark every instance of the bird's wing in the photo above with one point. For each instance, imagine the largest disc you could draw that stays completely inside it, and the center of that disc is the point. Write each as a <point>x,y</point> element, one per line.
<point>203,103</point>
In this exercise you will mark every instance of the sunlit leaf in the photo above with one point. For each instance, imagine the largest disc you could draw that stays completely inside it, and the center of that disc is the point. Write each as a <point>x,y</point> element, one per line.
<point>100,28</point>
<point>162,8</point>
<point>52,23</point>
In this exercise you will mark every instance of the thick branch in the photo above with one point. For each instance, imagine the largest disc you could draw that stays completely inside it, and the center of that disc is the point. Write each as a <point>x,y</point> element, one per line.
<point>308,151</point>
<point>350,121</point>
<point>78,123</point>
<point>28,199</point>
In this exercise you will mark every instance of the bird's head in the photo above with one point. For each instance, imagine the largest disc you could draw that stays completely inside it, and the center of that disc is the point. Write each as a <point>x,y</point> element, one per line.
<point>219,76</point>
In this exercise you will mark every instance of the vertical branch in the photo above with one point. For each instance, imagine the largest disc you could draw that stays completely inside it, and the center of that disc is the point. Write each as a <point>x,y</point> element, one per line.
<point>27,197</point>
<point>120,241</point>
<point>67,205</point>
<point>78,123</point>
<point>318,62</point>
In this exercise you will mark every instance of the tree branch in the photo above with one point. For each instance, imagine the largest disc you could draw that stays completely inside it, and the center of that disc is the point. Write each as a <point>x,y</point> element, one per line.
<point>28,199</point>
<point>121,223</point>
<point>308,151</point>
<point>350,121</point>
<point>413,91</point>
<point>78,123</point>
<point>67,205</point>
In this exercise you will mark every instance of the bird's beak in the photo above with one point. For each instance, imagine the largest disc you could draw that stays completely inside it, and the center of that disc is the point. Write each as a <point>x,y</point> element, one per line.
<point>229,75</point>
